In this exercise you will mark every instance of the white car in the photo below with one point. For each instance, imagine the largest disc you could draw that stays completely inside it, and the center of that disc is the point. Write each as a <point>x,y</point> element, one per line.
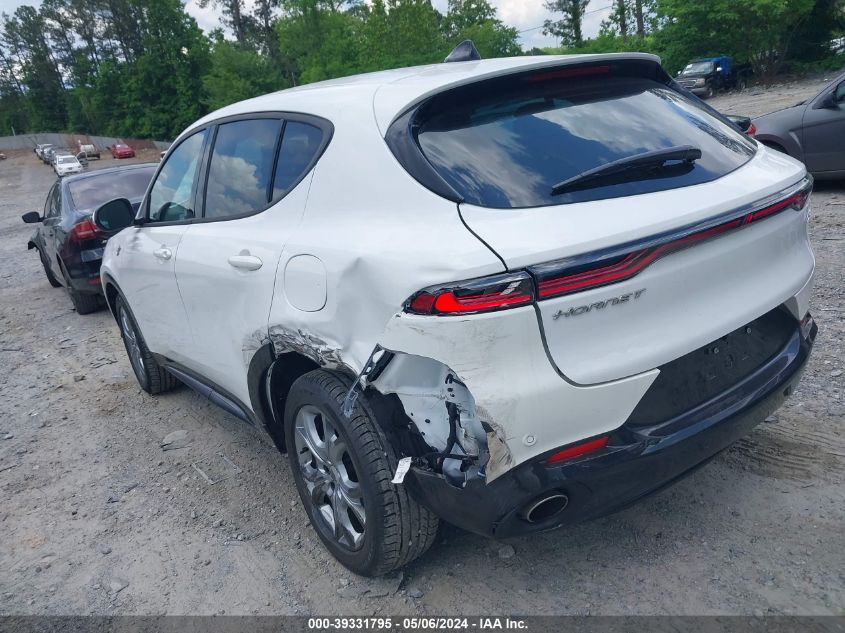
<point>512,293</point>
<point>66,165</point>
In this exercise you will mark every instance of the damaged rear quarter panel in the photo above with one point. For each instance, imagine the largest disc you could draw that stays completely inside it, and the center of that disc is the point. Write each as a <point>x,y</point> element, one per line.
<point>525,406</point>
<point>382,238</point>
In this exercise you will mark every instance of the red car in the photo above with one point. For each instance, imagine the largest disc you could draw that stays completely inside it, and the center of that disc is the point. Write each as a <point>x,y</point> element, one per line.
<point>121,150</point>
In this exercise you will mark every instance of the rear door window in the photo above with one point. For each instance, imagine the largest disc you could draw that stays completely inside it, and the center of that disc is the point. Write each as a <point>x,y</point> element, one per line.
<point>507,143</point>
<point>241,169</point>
<point>300,145</point>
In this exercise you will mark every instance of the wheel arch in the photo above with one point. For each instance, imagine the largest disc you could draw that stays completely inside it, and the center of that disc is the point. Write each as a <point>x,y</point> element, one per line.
<point>111,292</point>
<point>270,379</point>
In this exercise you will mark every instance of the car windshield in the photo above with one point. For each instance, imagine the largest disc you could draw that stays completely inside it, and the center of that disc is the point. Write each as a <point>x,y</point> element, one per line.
<point>97,189</point>
<point>698,68</point>
<point>66,160</point>
<point>506,145</point>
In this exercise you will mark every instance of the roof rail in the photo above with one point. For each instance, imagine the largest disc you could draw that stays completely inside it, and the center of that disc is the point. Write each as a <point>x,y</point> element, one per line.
<point>463,52</point>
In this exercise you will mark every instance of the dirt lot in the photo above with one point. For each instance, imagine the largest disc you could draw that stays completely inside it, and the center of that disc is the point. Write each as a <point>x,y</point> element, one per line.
<point>97,519</point>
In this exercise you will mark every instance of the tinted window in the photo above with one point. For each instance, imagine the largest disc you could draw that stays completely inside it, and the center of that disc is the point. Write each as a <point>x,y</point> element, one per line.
<point>300,145</point>
<point>171,196</point>
<point>52,206</point>
<point>241,167</point>
<point>97,189</point>
<point>507,144</point>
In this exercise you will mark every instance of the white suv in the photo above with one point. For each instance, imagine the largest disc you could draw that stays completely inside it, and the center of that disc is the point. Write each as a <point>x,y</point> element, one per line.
<point>511,293</point>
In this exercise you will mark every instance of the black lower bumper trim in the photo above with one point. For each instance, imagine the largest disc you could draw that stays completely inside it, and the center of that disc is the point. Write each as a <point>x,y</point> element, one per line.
<point>637,461</point>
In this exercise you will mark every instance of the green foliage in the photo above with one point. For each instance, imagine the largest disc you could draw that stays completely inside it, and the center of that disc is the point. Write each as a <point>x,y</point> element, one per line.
<point>144,68</point>
<point>756,31</point>
<point>569,27</point>
<point>236,74</point>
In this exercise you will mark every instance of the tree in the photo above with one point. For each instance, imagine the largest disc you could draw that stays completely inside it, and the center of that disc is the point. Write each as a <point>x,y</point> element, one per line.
<point>618,22</point>
<point>718,27</point>
<point>236,74</point>
<point>234,16</point>
<point>477,20</point>
<point>568,28</point>
<point>40,75</point>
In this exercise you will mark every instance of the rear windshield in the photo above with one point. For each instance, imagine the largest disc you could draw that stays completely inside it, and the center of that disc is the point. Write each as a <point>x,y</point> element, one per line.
<point>95,190</point>
<point>67,159</point>
<point>506,145</point>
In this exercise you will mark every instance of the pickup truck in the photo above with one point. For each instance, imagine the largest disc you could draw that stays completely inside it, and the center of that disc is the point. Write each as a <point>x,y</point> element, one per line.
<point>89,150</point>
<point>707,75</point>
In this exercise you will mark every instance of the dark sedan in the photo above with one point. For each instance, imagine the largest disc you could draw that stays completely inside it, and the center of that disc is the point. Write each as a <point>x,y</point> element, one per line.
<point>69,244</point>
<point>812,131</point>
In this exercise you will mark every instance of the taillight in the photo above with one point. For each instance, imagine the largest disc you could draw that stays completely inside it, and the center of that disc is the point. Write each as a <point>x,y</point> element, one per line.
<point>584,272</point>
<point>85,230</point>
<point>752,130</point>
<point>555,279</point>
<point>486,294</point>
<point>577,450</point>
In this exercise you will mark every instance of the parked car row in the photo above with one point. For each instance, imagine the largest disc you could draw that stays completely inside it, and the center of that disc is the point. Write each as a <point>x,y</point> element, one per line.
<point>48,153</point>
<point>511,294</point>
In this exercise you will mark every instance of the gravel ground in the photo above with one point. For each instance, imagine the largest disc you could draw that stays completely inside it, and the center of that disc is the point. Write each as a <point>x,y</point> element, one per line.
<point>97,519</point>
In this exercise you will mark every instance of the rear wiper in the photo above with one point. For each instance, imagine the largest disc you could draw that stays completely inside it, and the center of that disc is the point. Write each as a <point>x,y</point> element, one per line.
<point>657,158</point>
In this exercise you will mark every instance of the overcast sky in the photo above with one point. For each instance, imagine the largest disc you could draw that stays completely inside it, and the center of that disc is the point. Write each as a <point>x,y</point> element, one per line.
<point>525,15</point>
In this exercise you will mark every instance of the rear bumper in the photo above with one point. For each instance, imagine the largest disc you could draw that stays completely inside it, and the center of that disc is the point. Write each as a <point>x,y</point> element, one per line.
<point>83,268</point>
<point>637,461</point>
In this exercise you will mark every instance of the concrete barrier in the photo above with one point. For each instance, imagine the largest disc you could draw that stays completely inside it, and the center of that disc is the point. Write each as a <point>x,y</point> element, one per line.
<point>29,141</point>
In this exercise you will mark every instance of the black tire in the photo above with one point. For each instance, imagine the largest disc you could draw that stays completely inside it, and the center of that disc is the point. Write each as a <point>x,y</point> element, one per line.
<point>50,276</point>
<point>83,302</point>
<point>396,529</point>
<point>152,377</point>
<point>710,93</point>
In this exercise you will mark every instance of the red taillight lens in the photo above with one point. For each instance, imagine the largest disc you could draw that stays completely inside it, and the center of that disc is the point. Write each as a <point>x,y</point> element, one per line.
<point>752,130</point>
<point>85,230</point>
<point>578,450</point>
<point>557,279</point>
<point>478,295</point>
<point>578,71</point>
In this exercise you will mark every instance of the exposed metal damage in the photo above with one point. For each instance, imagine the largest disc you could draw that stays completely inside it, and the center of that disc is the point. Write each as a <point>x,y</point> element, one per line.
<point>313,347</point>
<point>441,410</point>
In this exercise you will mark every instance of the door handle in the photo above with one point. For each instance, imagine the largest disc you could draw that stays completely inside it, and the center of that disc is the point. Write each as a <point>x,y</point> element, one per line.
<point>163,253</point>
<point>245,262</point>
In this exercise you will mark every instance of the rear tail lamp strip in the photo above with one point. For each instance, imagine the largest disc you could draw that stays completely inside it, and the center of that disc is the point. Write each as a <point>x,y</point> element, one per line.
<point>593,270</point>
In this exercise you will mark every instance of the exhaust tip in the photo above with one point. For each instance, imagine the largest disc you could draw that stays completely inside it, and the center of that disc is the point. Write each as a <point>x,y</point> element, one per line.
<point>546,507</point>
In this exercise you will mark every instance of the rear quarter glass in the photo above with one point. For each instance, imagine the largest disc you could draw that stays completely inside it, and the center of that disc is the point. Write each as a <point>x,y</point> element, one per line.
<point>506,143</point>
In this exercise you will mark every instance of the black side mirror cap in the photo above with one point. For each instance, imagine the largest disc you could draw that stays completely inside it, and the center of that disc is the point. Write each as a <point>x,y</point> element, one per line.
<point>742,122</point>
<point>829,101</point>
<point>33,217</point>
<point>114,216</point>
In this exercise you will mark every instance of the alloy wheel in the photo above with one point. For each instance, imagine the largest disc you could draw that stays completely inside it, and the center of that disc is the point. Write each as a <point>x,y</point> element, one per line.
<point>331,479</point>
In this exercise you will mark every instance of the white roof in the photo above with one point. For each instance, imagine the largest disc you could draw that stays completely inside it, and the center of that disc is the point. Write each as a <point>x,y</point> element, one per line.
<point>391,92</point>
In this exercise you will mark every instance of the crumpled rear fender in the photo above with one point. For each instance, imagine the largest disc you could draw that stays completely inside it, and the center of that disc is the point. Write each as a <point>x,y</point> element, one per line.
<point>526,407</point>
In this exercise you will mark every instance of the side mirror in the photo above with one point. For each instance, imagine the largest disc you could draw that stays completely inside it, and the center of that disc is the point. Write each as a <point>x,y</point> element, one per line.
<point>718,69</point>
<point>33,217</point>
<point>742,122</point>
<point>828,102</point>
<point>114,216</point>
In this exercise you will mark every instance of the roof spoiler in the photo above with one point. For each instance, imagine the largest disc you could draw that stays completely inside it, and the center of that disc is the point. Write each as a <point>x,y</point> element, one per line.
<point>463,52</point>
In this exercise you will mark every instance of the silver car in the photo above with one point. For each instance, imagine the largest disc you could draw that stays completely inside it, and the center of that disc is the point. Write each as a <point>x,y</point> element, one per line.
<point>811,131</point>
